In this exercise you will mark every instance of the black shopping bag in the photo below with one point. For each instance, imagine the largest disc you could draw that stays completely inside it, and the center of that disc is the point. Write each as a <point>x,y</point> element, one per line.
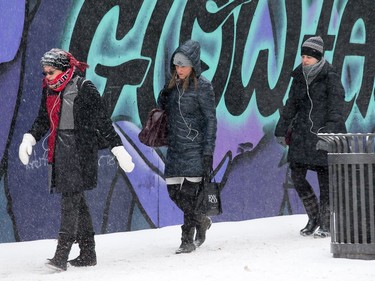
<point>209,199</point>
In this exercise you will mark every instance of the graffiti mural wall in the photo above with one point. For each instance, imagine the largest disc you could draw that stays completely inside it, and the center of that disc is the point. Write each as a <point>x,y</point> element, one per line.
<point>249,49</point>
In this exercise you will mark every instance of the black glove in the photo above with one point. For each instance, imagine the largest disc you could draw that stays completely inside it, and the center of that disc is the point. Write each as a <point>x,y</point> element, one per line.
<point>207,165</point>
<point>322,145</point>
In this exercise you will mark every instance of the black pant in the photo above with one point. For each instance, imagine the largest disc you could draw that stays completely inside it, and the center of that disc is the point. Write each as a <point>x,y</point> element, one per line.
<point>304,189</point>
<point>75,216</point>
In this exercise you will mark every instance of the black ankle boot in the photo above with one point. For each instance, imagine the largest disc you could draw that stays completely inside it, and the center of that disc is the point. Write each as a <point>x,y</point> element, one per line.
<point>87,255</point>
<point>60,260</point>
<point>310,227</point>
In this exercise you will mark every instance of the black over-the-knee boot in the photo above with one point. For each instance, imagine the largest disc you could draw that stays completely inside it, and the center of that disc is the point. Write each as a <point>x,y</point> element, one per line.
<point>174,193</point>
<point>187,239</point>
<point>187,203</point>
<point>204,223</point>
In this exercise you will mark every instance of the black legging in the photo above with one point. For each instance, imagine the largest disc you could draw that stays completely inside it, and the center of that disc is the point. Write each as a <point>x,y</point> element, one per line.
<point>304,189</point>
<point>302,186</point>
<point>75,216</point>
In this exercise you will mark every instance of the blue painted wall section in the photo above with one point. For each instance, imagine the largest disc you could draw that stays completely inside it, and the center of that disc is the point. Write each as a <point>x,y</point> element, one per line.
<point>249,49</point>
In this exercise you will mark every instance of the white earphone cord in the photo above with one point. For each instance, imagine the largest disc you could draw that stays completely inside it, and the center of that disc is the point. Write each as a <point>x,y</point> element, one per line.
<point>312,105</point>
<point>51,130</point>
<point>186,124</point>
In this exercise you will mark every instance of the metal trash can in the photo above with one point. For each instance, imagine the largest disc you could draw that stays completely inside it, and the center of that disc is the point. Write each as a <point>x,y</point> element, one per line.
<point>351,163</point>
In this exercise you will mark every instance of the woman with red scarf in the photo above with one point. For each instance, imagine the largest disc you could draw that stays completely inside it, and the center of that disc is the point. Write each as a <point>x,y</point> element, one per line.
<point>76,120</point>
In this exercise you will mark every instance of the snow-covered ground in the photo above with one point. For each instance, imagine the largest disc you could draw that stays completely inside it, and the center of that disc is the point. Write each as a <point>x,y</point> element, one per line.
<point>262,249</point>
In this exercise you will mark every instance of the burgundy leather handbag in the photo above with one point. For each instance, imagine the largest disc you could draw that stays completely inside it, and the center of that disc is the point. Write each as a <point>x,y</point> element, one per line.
<point>154,133</point>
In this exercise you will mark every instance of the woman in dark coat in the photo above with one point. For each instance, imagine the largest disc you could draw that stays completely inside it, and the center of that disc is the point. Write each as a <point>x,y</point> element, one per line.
<point>315,105</point>
<point>72,112</point>
<point>189,101</point>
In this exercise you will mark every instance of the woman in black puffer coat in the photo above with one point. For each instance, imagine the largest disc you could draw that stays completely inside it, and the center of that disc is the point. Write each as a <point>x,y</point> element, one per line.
<point>189,101</point>
<point>315,105</point>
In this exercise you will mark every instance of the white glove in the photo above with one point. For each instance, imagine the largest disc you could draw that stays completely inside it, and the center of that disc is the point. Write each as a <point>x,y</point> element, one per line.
<point>124,159</point>
<point>26,148</point>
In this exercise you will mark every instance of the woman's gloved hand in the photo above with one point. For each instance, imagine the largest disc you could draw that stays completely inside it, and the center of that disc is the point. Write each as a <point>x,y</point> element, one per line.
<point>207,165</point>
<point>26,148</point>
<point>124,159</point>
<point>322,145</point>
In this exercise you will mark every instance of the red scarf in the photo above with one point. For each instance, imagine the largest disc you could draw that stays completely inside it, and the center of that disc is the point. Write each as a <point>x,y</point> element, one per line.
<point>58,84</point>
<point>53,102</point>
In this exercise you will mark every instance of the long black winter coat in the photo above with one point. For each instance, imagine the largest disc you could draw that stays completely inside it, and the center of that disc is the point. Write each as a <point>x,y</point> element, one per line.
<point>75,165</point>
<point>319,111</point>
<point>194,108</point>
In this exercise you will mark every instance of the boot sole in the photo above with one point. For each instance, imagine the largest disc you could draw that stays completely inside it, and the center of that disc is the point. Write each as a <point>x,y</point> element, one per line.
<point>183,252</point>
<point>321,235</point>
<point>309,233</point>
<point>54,267</point>
<point>190,249</point>
<point>81,265</point>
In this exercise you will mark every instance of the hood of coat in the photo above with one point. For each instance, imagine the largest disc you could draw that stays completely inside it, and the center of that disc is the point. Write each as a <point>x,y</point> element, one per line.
<point>192,50</point>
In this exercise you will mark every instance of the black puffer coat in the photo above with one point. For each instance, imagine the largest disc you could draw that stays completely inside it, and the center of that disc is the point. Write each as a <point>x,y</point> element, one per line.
<point>320,111</point>
<point>75,165</point>
<point>194,109</point>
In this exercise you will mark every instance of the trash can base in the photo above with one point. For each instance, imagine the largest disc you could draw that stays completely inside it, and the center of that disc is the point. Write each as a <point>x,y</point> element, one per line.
<point>353,251</point>
<point>354,256</point>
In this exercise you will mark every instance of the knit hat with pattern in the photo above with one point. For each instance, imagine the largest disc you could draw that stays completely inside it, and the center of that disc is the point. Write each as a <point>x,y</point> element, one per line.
<point>313,47</point>
<point>56,58</point>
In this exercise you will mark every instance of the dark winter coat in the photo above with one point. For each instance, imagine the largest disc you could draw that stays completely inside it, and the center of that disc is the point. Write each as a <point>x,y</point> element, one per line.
<point>75,160</point>
<point>319,111</point>
<point>195,109</point>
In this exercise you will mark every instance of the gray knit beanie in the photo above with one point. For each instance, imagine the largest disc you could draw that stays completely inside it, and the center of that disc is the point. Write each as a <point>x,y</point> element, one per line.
<point>313,47</point>
<point>181,60</point>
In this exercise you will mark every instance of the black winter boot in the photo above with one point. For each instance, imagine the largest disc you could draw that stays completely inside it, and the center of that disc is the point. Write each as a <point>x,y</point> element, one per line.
<point>310,227</point>
<point>187,245</point>
<point>324,229</point>
<point>87,255</point>
<point>60,260</point>
<point>202,228</point>
<point>312,209</point>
